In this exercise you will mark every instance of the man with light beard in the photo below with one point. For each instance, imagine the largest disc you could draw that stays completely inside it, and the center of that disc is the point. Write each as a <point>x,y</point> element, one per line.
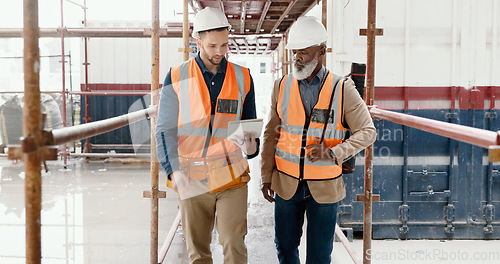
<point>304,145</point>
<point>210,173</point>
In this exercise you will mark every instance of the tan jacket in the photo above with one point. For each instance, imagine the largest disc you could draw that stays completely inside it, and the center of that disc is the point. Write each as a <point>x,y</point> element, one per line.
<point>364,134</point>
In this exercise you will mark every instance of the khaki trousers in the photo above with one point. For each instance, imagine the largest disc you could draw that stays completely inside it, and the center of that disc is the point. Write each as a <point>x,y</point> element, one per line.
<point>226,209</point>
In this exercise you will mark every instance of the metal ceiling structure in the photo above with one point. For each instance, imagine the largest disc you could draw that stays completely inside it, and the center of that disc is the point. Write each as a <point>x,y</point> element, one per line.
<point>257,26</point>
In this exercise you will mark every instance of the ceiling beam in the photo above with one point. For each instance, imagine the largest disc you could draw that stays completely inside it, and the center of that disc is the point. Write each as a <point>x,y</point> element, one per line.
<point>247,46</point>
<point>222,6</point>
<point>284,15</point>
<point>263,16</point>
<point>267,47</point>
<point>235,44</point>
<point>195,8</point>
<point>243,16</point>
<point>305,12</point>
<point>257,45</point>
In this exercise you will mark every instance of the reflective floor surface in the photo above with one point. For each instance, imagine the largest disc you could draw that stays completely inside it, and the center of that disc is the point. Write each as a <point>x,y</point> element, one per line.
<point>94,212</point>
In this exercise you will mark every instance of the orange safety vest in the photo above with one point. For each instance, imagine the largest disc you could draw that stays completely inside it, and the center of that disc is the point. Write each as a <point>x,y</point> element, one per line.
<point>195,112</point>
<point>298,131</point>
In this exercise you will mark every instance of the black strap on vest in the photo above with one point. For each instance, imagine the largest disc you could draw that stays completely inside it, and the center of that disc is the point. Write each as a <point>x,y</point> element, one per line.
<point>329,109</point>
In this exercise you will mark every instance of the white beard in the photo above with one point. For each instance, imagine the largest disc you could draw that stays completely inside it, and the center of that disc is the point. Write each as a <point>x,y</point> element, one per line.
<point>306,71</point>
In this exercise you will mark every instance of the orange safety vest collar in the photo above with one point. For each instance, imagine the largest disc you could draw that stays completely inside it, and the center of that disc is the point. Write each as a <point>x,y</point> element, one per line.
<point>298,131</point>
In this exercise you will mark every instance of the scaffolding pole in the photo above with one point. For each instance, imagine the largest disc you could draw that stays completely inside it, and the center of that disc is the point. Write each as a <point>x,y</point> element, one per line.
<point>86,63</point>
<point>94,32</point>
<point>324,19</point>
<point>368,184</point>
<point>32,129</point>
<point>185,33</point>
<point>63,64</point>
<point>154,194</point>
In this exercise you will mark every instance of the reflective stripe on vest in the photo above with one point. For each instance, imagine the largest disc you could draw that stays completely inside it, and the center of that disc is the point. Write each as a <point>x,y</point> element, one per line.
<point>195,108</point>
<point>295,129</point>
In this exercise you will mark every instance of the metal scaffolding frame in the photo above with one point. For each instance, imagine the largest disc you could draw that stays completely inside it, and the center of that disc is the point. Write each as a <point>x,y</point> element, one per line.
<point>35,144</point>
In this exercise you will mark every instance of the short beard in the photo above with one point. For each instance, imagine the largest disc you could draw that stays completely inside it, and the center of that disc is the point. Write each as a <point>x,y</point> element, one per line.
<point>306,71</point>
<point>209,59</point>
<point>213,62</point>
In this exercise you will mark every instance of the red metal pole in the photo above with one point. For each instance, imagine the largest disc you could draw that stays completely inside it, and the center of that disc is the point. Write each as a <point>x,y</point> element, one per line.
<point>63,61</point>
<point>32,129</point>
<point>185,34</point>
<point>368,184</point>
<point>324,19</point>
<point>111,155</point>
<point>87,148</point>
<point>111,92</point>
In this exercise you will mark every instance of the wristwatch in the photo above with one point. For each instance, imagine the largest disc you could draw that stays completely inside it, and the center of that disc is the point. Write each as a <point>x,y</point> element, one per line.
<point>332,154</point>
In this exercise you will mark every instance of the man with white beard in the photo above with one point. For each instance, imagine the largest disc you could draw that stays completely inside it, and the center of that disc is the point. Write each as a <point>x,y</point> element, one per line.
<point>304,145</point>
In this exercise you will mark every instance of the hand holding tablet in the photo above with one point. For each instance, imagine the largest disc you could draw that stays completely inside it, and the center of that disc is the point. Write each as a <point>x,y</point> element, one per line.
<point>243,134</point>
<point>236,129</point>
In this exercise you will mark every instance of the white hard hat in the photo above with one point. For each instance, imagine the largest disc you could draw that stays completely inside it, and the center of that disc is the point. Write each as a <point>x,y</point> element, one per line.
<point>209,18</point>
<point>306,32</point>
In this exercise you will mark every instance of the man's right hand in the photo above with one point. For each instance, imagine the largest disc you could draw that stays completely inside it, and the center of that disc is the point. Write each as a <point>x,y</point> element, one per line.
<point>267,192</point>
<point>180,182</point>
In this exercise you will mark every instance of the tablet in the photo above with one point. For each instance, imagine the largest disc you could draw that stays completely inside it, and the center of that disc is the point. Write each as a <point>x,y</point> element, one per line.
<point>237,128</point>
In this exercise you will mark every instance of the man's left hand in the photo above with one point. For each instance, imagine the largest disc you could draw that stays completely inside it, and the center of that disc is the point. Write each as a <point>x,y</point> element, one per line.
<point>319,151</point>
<point>248,145</point>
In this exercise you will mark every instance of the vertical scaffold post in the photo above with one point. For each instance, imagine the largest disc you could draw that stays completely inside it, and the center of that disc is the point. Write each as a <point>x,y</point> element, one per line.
<point>324,19</point>
<point>155,80</point>
<point>370,81</point>
<point>87,148</point>
<point>185,33</point>
<point>32,128</point>
<point>63,64</point>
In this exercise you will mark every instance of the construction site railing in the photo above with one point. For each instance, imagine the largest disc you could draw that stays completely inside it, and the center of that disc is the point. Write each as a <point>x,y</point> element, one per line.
<point>70,134</point>
<point>475,136</point>
<point>65,135</point>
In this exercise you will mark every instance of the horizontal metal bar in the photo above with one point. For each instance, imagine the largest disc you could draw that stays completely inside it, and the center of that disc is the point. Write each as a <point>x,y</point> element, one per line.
<point>124,92</point>
<point>118,146</point>
<point>112,93</point>
<point>431,193</point>
<point>475,136</point>
<point>70,134</point>
<point>20,92</point>
<point>418,224</point>
<point>94,32</point>
<point>111,155</point>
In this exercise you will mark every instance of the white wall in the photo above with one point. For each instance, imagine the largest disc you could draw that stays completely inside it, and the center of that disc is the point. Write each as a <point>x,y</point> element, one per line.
<point>127,60</point>
<point>425,42</point>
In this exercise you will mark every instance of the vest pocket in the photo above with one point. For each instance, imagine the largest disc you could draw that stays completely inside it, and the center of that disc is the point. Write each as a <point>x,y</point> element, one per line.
<point>320,115</point>
<point>223,176</point>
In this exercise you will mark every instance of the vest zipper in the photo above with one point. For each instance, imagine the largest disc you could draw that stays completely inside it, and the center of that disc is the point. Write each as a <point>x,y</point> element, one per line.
<point>302,150</point>
<point>306,128</point>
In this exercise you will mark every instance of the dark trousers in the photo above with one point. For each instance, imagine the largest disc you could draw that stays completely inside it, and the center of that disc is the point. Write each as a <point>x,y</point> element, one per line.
<point>289,219</point>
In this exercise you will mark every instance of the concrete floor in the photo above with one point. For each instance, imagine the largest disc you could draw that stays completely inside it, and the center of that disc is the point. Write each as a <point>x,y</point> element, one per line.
<point>93,212</point>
